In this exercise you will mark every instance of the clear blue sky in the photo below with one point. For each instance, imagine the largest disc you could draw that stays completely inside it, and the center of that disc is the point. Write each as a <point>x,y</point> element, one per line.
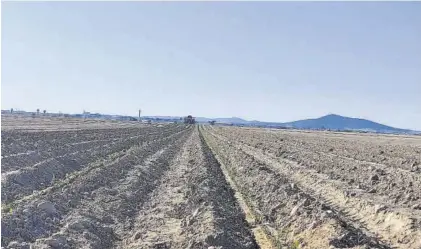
<point>273,61</point>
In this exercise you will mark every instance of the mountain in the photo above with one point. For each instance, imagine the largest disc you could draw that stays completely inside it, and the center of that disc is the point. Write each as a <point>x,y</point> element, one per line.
<point>331,121</point>
<point>337,122</point>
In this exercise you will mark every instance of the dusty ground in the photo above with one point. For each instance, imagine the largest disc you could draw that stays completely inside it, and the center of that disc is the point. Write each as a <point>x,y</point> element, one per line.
<point>320,190</point>
<point>117,187</point>
<point>78,184</point>
<point>45,123</point>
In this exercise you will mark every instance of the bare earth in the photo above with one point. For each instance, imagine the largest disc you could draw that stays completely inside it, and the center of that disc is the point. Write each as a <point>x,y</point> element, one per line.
<point>69,183</point>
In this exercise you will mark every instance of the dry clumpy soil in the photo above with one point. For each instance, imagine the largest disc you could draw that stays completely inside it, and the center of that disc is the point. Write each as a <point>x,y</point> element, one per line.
<point>89,184</point>
<point>319,201</point>
<point>193,207</point>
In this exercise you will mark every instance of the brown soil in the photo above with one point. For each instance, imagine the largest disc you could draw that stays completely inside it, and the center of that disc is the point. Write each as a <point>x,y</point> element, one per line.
<point>371,214</point>
<point>70,183</point>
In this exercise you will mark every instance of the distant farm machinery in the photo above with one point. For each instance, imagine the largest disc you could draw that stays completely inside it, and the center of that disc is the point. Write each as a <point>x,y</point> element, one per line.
<point>189,120</point>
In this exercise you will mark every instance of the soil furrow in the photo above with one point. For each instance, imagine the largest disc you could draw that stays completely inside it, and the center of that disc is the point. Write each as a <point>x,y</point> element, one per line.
<point>23,182</point>
<point>381,151</point>
<point>45,149</point>
<point>393,185</point>
<point>260,234</point>
<point>398,226</point>
<point>102,184</point>
<point>28,220</point>
<point>20,142</point>
<point>193,207</point>
<point>98,221</point>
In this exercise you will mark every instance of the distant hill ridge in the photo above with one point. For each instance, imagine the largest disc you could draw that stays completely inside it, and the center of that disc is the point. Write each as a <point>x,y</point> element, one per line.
<point>331,121</point>
<point>338,122</point>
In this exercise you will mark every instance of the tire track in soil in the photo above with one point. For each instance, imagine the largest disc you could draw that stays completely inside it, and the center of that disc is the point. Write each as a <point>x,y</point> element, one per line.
<point>42,175</point>
<point>193,207</point>
<point>32,219</point>
<point>399,228</point>
<point>290,216</point>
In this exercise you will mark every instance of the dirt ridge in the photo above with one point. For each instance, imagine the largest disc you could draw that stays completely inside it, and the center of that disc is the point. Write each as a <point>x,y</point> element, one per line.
<point>26,223</point>
<point>356,211</point>
<point>192,208</point>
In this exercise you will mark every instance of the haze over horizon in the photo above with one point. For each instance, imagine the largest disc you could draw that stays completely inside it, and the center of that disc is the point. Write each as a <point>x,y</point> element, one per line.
<point>273,61</point>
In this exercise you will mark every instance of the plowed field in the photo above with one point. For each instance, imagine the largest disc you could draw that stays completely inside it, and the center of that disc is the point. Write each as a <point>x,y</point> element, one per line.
<point>182,186</point>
